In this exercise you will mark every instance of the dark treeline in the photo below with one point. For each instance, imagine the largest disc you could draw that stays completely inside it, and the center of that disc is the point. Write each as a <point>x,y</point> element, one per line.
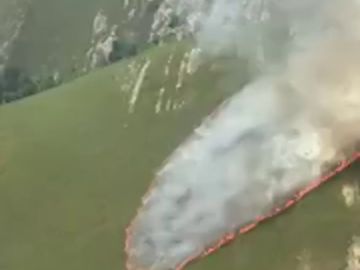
<point>16,84</point>
<point>121,50</point>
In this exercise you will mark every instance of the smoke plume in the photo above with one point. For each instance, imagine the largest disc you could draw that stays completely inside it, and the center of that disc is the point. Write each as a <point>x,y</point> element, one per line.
<point>271,139</point>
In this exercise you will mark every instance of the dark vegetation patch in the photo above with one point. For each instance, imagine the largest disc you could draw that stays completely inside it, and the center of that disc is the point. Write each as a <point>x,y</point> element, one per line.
<point>16,84</point>
<point>121,50</point>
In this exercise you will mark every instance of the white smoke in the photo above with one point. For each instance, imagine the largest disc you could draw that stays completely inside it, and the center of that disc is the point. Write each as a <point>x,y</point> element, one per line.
<point>266,142</point>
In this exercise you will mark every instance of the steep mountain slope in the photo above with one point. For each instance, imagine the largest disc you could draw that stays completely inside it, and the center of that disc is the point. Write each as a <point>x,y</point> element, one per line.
<point>43,43</point>
<point>51,41</point>
<point>74,162</point>
<point>11,19</point>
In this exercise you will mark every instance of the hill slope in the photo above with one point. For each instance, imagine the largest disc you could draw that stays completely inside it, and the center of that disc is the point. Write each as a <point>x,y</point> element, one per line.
<point>74,162</point>
<point>41,42</point>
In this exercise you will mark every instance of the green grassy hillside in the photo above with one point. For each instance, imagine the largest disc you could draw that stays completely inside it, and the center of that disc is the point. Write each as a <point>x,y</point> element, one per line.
<point>74,163</point>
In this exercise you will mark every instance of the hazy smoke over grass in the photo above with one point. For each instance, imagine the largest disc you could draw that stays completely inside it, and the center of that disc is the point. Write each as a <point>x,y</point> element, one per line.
<point>272,138</point>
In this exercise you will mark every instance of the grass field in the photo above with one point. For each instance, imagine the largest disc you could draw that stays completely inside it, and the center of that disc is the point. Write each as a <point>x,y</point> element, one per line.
<point>74,163</point>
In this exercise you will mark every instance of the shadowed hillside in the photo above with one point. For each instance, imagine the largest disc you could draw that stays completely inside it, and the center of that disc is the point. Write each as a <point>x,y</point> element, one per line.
<point>37,40</point>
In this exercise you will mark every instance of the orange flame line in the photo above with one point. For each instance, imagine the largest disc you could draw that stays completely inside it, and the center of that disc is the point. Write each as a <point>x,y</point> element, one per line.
<point>230,237</point>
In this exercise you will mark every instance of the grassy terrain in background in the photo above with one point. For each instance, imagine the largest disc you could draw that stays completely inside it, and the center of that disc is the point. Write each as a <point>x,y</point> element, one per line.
<point>74,164</point>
